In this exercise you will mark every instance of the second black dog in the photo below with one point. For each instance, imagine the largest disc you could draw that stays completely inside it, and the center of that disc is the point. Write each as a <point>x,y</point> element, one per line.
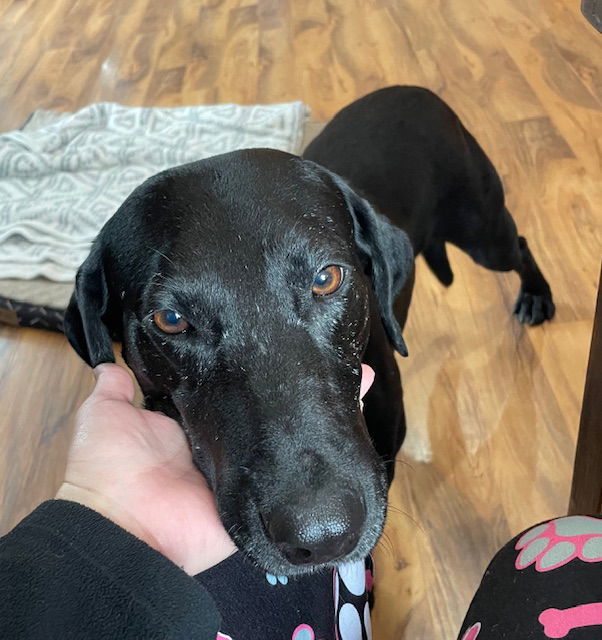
<point>409,155</point>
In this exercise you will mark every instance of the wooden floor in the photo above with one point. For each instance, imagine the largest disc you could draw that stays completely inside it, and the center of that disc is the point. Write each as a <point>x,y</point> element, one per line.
<point>492,407</point>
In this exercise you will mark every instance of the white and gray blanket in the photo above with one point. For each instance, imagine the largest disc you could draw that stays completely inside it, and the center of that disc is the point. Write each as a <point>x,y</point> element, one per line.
<point>63,175</point>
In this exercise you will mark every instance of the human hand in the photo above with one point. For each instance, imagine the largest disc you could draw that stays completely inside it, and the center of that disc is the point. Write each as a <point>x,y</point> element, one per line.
<point>135,467</point>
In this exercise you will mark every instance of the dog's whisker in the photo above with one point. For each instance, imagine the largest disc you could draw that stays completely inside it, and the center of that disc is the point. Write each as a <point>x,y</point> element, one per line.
<point>162,254</point>
<point>405,463</point>
<point>233,530</point>
<point>386,544</point>
<point>395,509</point>
<point>400,460</point>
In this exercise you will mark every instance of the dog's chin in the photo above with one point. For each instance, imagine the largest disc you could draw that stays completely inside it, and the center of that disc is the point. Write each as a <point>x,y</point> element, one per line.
<point>250,538</point>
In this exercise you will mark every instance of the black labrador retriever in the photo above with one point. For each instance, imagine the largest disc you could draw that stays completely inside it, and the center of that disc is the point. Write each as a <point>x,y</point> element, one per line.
<point>247,289</point>
<point>408,153</point>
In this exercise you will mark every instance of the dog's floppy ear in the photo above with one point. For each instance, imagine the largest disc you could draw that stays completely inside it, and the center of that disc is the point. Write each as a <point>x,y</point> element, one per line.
<point>388,253</point>
<point>89,323</point>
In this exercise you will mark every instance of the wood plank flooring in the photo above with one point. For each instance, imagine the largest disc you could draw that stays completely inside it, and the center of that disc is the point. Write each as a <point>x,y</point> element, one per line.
<point>492,407</point>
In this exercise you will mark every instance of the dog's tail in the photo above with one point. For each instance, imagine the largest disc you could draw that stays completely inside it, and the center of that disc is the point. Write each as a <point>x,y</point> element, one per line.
<point>435,255</point>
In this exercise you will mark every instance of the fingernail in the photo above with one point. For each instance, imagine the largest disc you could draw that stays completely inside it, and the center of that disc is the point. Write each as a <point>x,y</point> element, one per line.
<point>98,369</point>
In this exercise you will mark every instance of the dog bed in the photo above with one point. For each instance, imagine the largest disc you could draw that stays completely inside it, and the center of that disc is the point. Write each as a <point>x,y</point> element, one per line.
<point>84,164</point>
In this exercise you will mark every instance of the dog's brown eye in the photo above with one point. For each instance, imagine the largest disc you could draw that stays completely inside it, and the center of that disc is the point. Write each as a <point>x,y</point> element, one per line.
<point>328,280</point>
<point>170,321</point>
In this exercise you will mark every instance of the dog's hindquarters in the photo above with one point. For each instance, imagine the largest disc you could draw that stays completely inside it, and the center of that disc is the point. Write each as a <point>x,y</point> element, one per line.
<point>481,225</point>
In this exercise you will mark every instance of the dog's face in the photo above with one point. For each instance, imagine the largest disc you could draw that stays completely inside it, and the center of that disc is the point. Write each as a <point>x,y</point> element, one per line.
<point>238,288</point>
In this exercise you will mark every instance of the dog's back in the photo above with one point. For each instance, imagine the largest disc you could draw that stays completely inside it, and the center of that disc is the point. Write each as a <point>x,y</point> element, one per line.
<point>408,153</point>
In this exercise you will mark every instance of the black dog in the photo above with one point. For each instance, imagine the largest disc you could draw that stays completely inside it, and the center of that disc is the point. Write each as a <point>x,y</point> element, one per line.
<point>246,290</point>
<point>408,153</point>
<point>237,286</point>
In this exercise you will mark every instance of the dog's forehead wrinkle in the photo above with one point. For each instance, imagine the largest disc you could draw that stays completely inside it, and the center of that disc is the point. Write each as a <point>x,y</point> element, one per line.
<point>214,288</point>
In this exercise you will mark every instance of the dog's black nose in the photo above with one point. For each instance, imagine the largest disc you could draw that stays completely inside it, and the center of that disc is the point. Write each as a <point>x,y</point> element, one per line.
<point>317,531</point>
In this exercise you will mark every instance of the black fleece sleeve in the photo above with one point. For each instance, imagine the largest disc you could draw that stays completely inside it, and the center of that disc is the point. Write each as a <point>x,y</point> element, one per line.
<point>68,573</point>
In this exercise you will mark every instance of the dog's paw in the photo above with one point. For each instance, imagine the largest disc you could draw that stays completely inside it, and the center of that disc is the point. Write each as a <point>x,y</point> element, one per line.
<point>534,308</point>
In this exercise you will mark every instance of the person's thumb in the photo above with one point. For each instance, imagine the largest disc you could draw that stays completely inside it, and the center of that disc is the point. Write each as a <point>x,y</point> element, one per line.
<point>113,383</point>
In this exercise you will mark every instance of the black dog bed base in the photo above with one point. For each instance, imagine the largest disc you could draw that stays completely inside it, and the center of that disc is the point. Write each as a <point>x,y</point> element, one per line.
<point>25,314</point>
